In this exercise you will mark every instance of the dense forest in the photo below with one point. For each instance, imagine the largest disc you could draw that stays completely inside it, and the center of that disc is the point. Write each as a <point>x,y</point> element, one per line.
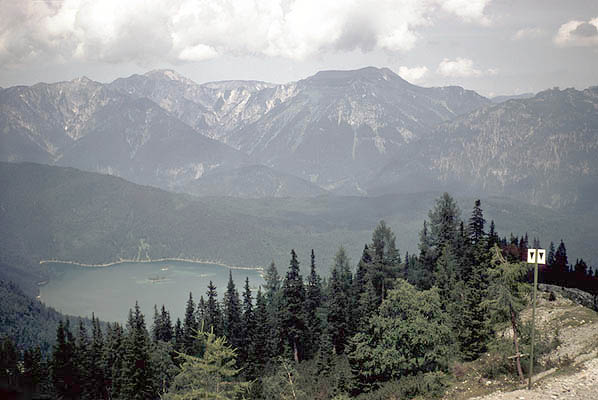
<point>391,326</point>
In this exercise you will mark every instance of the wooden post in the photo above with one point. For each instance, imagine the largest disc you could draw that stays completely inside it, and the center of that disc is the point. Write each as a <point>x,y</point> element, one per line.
<point>531,356</point>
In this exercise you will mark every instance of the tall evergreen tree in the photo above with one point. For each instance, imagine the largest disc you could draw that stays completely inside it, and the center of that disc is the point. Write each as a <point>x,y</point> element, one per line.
<point>113,359</point>
<point>292,309</point>
<point>97,372</point>
<point>506,294</point>
<point>561,265</point>
<point>35,371</point>
<point>246,351</point>
<point>213,313</point>
<point>231,305</point>
<point>444,222</point>
<point>313,302</point>
<point>209,377</point>
<point>476,223</point>
<point>165,333</point>
<point>138,383</point>
<point>261,335</point>
<point>178,336</point>
<point>83,362</point>
<point>190,327</point>
<point>64,369</point>
<point>338,318</point>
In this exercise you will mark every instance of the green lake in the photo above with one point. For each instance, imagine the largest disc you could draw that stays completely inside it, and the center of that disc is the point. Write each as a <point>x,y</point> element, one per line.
<point>109,292</point>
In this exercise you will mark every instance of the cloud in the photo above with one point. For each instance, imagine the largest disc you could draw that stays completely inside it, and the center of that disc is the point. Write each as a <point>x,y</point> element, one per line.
<point>529,33</point>
<point>143,31</point>
<point>413,74</point>
<point>458,68</point>
<point>578,34</point>
<point>469,10</point>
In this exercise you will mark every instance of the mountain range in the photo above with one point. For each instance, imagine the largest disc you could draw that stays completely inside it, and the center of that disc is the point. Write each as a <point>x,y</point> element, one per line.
<point>362,132</point>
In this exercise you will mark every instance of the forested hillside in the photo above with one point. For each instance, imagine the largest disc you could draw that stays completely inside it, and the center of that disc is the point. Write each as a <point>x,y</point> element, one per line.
<point>391,324</point>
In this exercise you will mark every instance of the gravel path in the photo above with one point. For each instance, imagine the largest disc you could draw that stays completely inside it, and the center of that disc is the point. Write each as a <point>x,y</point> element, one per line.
<point>582,385</point>
<point>579,343</point>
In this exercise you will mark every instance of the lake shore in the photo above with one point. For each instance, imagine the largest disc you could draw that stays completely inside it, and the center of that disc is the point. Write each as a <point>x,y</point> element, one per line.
<point>167,259</point>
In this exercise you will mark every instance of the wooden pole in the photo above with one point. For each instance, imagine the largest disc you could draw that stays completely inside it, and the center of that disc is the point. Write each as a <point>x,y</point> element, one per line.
<point>531,357</point>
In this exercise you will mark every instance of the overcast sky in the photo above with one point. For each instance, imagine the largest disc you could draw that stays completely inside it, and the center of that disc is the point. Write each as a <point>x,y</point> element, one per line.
<point>492,46</point>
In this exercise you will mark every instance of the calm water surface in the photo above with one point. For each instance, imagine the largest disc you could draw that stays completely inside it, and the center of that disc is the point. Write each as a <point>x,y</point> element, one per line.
<point>109,292</point>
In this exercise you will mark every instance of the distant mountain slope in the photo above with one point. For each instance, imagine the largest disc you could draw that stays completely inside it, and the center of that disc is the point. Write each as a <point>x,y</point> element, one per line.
<point>361,132</point>
<point>63,213</point>
<point>212,108</point>
<point>543,150</point>
<point>84,124</point>
<point>255,181</point>
<point>334,129</point>
<point>337,128</point>
<point>503,98</point>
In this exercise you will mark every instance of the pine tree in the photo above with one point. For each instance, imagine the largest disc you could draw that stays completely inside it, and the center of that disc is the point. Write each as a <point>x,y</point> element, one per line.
<point>112,360</point>
<point>386,260</point>
<point>178,336</point>
<point>209,377</point>
<point>313,302</point>
<point>476,223</point>
<point>97,373</point>
<point>422,273</point>
<point>272,280</point>
<point>561,265</point>
<point>338,321</point>
<point>492,235</point>
<point>247,354</point>
<point>190,327</point>
<point>165,333</point>
<point>444,222</point>
<point>34,368</point>
<point>136,374</point>
<point>292,309</point>
<point>261,335</point>
<point>83,362</point>
<point>64,370</point>
<point>506,294</point>
<point>213,313</point>
<point>272,296</point>
<point>9,358</point>
<point>231,305</point>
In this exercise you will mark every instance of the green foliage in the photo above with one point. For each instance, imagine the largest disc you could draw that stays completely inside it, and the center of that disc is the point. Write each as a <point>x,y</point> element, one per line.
<point>313,302</point>
<point>429,386</point>
<point>292,312</point>
<point>231,307</point>
<point>136,372</point>
<point>27,321</point>
<point>507,289</point>
<point>410,335</point>
<point>211,376</point>
<point>283,384</point>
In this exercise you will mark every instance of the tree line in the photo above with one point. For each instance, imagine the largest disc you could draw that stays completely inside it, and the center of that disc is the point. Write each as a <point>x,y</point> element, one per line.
<point>391,324</point>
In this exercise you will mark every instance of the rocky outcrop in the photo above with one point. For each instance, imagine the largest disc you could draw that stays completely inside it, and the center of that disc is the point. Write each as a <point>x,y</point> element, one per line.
<point>578,296</point>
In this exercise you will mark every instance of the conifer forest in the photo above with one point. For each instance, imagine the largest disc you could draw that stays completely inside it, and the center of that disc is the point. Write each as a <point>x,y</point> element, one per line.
<point>390,323</point>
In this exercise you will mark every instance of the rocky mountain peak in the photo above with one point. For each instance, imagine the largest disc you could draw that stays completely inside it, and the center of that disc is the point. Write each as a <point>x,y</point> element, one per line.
<point>168,75</point>
<point>367,74</point>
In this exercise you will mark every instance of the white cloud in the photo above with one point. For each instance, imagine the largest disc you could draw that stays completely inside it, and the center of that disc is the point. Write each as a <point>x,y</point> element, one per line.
<point>413,74</point>
<point>469,10</point>
<point>142,31</point>
<point>529,33</point>
<point>458,68</point>
<point>578,34</point>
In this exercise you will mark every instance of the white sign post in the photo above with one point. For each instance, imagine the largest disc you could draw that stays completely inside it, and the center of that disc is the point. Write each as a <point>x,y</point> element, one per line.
<point>534,256</point>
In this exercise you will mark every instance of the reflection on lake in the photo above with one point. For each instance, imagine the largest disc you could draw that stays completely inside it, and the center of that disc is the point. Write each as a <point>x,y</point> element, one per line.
<point>109,292</point>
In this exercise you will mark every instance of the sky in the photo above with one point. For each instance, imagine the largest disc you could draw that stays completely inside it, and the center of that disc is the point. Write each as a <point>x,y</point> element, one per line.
<point>495,47</point>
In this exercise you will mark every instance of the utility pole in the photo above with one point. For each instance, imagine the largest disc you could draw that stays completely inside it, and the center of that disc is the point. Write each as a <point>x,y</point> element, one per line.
<point>535,256</point>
